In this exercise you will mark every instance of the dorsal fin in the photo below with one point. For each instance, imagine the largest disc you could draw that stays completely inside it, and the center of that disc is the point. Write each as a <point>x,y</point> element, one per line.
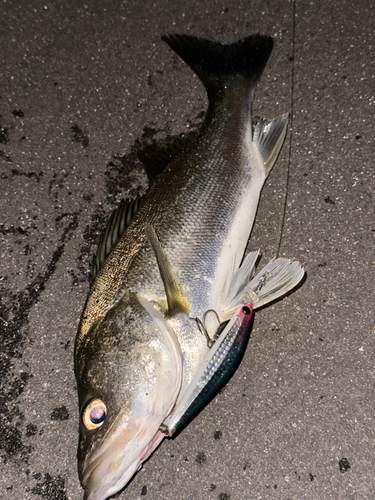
<point>176,292</point>
<point>119,220</point>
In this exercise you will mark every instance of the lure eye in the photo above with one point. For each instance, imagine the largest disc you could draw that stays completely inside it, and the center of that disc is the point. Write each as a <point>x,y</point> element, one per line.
<point>246,310</point>
<point>94,414</point>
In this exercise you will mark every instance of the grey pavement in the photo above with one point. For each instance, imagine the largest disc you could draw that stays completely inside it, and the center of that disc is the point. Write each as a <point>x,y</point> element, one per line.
<point>82,86</point>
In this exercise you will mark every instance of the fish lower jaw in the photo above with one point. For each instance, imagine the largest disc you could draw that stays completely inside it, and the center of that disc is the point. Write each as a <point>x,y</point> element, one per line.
<point>103,487</point>
<point>118,465</point>
<point>103,491</point>
<point>158,438</point>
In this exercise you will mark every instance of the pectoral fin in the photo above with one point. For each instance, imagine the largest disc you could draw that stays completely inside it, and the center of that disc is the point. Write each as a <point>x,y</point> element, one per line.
<point>176,292</point>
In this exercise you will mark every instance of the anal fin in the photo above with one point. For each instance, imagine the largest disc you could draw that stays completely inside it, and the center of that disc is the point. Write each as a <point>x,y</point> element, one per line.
<point>276,279</point>
<point>233,292</point>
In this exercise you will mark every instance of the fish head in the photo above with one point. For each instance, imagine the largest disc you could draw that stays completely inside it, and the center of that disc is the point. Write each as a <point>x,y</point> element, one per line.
<point>129,373</point>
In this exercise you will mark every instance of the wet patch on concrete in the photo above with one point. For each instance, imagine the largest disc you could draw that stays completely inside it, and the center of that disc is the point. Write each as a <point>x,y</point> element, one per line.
<point>77,135</point>
<point>201,458</point>
<point>15,308</point>
<point>144,491</point>
<point>52,488</point>
<point>223,496</point>
<point>60,413</point>
<point>344,465</point>
<point>217,435</point>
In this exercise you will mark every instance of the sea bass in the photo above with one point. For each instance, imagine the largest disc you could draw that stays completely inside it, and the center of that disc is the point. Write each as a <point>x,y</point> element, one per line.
<point>168,275</point>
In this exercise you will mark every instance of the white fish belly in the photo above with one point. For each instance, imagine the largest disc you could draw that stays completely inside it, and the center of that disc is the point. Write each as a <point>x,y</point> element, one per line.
<point>235,243</point>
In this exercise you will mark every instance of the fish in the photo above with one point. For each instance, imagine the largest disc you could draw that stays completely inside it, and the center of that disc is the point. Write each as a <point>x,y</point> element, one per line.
<point>170,273</point>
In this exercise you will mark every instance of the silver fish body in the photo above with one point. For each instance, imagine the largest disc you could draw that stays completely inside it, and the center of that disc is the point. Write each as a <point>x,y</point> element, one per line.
<point>139,345</point>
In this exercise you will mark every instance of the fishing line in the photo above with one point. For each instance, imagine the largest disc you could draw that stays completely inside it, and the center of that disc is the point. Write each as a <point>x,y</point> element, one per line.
<point>290,132</point>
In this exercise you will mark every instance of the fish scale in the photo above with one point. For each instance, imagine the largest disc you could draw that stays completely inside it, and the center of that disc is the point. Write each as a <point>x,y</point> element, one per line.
<point>192,223</point>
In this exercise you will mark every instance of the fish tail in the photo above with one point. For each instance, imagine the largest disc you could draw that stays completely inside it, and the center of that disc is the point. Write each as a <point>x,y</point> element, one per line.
<point>215,63</point>
<point>233,71</point>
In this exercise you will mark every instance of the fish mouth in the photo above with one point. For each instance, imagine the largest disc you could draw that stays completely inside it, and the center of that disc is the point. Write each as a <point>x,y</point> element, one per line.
<point>115,463</point>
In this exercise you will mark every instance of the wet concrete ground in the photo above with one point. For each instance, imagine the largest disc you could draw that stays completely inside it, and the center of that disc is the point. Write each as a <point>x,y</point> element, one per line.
<point>81,83</point>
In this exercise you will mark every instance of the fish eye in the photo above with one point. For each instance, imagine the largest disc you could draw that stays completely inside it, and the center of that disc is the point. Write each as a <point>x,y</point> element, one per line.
<point>94,414</point>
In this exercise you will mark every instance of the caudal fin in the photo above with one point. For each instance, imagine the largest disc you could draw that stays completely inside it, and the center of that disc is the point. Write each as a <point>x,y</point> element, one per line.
<point>214,62</point>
